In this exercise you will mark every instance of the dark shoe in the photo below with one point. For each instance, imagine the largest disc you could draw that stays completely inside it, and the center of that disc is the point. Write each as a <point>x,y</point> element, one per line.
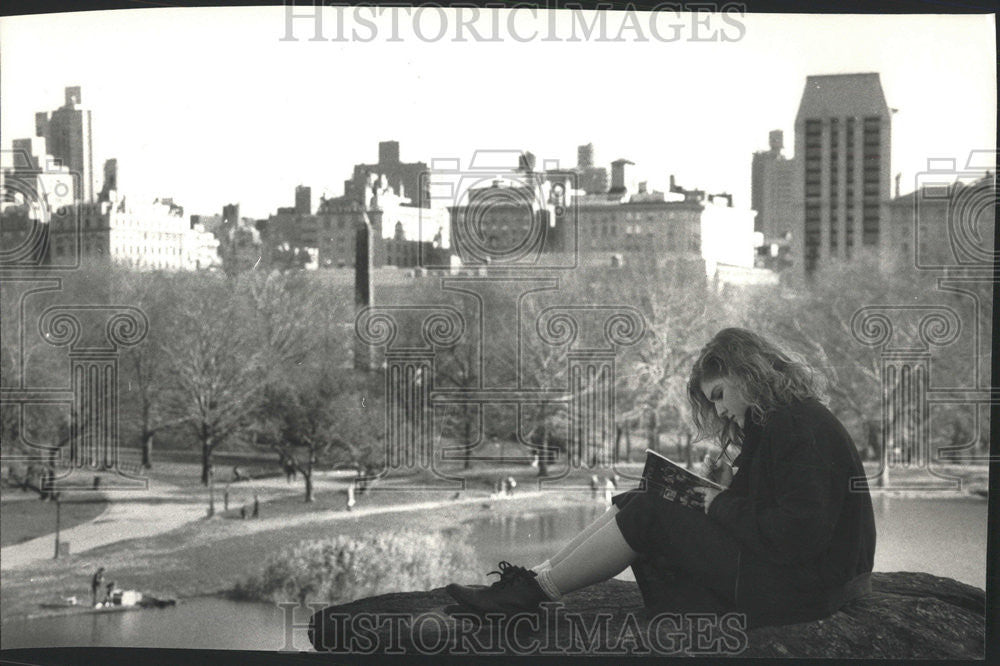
<point>517,590</point>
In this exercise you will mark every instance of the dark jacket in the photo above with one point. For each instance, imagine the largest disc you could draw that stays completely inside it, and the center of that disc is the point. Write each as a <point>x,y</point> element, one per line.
<point>799,499</point>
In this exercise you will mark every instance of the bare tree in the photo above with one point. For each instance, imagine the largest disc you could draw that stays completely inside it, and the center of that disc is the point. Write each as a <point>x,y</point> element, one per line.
<point>227,343</point>
<point>147,379</point>
<point>680,321</point>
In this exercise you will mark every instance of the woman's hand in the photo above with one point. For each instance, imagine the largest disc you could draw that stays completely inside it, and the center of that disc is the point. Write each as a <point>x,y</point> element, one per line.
<point>707,495</point>
<point>721,473</point>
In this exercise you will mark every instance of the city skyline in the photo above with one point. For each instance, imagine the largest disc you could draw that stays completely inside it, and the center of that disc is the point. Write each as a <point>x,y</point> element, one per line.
<point>266,115</point>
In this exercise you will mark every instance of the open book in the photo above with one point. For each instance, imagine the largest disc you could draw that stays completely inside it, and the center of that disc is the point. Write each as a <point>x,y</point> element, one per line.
<point>673,481</point>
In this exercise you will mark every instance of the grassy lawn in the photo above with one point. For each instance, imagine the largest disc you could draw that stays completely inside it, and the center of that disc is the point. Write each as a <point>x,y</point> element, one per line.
<point>25,519</point>
<point>183,467</point>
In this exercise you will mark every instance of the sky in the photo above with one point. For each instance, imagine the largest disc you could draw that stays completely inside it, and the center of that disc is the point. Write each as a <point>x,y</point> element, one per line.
<point>218,105</point>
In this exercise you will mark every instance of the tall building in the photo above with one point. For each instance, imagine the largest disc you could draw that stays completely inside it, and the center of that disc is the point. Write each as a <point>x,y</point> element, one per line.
<point>771,189</point>
<point>303,200</point>
<point>405,178</point>
<point>68,136</point>
<point>842,171</point>
<point>942,226</point>
<point>591,179</point>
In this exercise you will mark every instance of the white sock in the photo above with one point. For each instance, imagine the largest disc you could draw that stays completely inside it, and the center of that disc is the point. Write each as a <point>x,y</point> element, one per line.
<point>572,545</point>
<point>548,587</point>
<point>544,566</point>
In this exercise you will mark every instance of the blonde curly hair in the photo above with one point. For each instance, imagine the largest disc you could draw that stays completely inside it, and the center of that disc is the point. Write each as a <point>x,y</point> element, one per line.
<point>768,376</point>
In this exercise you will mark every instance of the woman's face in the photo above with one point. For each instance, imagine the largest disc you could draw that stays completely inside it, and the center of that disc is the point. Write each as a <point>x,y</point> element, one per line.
<point>725,394</point>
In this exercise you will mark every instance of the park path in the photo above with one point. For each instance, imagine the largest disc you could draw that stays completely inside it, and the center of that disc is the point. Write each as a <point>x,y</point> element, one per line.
<point>147,512</point>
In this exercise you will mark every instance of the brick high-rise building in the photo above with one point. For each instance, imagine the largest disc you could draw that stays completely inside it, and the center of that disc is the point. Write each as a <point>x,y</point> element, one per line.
<point>842,171</point>
<point>771,189</point>
<point>68,137</point>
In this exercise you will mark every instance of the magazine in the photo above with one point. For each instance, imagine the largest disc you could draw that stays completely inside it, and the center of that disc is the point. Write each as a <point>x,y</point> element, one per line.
<point>673,481</point>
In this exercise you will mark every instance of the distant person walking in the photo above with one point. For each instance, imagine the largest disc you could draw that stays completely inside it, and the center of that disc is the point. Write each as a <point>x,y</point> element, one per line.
<point>95,585</point>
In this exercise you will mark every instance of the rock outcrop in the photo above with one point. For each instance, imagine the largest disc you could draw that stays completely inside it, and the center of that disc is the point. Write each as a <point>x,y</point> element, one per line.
<point>907,616</point>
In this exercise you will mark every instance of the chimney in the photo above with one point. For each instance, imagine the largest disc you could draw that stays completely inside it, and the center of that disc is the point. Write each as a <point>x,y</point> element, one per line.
<point>231,214</point>
<point>776,140</point>
<point>642,187</point>
<point>73,96</point>
<point>618,176</point>
<point>585,156</point>
<point>673,183</point>
<point>303,200</point>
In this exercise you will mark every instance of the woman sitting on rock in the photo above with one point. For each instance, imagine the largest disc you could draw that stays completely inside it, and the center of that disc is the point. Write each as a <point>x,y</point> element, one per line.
<point>791,539</point>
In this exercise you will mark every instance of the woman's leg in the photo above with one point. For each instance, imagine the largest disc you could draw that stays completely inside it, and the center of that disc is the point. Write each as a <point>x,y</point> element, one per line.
<point>600,522</point>
<point>603,555</point>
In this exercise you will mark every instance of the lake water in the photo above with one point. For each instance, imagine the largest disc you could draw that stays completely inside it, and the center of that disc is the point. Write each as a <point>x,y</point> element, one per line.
<point>946,537</point>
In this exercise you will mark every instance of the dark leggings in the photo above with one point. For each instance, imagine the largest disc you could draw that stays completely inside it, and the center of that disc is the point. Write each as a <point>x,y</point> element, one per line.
<point>689,563</point>
<point>695,561</point>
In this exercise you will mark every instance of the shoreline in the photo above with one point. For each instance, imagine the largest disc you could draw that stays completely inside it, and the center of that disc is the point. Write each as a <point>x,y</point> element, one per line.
<point>467,508</point>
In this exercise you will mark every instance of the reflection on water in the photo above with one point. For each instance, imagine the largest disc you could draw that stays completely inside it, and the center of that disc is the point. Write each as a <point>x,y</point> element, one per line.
<point>207,623</point>
<point>945,537</point>
<point>529,538</point>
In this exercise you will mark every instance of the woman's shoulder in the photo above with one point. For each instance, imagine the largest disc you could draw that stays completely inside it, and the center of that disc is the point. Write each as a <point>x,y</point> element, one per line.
<point>801,417</point>
<point>806,405</point>
<point>799,413</point>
